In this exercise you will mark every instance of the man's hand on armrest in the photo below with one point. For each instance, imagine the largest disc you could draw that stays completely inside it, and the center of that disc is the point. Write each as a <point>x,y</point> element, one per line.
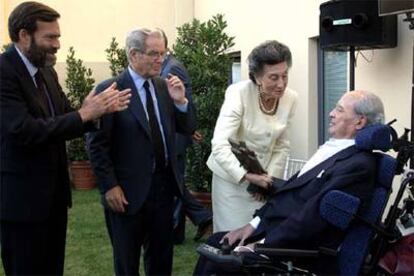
<point>240,234</point>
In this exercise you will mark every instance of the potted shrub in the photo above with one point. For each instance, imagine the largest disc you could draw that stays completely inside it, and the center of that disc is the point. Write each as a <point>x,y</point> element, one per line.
<point>202,48</point>
<point>79,83</point>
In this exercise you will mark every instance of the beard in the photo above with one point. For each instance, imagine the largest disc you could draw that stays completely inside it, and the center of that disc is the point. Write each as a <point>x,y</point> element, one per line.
<point>40,56</point>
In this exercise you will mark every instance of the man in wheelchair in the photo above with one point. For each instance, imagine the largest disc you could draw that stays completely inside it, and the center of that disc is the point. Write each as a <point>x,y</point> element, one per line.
<point>291,218</point>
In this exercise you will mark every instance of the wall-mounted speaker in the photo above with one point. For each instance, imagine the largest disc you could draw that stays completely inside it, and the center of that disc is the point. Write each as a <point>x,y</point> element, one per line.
<point>345,23</point>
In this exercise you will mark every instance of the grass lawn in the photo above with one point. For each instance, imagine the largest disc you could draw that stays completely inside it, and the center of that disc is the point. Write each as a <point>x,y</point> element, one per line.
<point>88,250</point>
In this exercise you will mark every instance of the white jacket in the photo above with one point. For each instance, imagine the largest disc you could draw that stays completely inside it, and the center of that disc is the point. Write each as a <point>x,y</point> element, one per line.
<point>267,135</point>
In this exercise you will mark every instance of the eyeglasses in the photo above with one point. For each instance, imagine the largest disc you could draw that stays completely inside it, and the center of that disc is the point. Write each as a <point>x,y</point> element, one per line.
<point>155,55</point>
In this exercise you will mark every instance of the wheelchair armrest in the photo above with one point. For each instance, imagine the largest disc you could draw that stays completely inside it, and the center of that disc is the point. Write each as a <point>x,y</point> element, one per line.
<point>216,255</point>
<point>339,208</point>
<point>286,252</point>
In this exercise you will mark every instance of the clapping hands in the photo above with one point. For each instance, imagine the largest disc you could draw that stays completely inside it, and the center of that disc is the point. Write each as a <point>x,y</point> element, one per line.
<point>109,101</point>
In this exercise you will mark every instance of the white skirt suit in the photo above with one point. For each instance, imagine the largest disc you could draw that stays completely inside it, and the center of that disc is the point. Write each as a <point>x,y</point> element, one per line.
<point>241,118</point>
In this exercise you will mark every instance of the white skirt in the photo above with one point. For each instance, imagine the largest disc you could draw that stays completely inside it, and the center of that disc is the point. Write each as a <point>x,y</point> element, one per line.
<point>233,206</point>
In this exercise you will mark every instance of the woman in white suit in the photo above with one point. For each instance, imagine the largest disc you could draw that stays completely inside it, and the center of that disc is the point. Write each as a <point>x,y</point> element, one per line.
<point>259,112</point>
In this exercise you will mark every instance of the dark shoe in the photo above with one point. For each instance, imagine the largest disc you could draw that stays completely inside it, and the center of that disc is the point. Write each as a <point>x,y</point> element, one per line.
<point>203,228</point>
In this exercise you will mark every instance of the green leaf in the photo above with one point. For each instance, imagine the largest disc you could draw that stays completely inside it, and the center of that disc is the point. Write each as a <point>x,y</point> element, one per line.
<point>79,83</point>
<point>202,48</point>
<point>116,57</point>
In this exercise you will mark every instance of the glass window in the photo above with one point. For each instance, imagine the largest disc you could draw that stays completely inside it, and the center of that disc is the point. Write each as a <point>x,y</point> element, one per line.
<point>333,83</point>
<point>235,74</point>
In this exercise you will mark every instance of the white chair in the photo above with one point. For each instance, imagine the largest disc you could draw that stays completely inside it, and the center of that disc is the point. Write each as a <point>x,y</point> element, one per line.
<point>292,167</point>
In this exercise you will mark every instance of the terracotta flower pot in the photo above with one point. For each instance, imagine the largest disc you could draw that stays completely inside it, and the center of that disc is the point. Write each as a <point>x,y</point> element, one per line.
<point>82,176</point>
<point>203,197</point>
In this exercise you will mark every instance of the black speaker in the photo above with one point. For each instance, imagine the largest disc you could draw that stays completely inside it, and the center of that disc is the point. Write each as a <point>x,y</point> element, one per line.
<point>345,23</point>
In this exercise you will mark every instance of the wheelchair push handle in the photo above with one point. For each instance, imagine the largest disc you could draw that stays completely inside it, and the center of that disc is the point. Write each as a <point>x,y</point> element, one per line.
<point>403,146</point>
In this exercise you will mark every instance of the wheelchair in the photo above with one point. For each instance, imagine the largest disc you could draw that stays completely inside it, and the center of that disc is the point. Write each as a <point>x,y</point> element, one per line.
<point>367,238</point>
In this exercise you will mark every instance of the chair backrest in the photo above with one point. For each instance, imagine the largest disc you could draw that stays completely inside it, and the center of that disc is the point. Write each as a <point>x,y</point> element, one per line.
<point>355,246</point>
<point>292,166</point>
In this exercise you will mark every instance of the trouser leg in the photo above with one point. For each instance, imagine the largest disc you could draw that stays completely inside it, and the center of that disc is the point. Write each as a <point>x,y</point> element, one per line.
<point>34,248</point>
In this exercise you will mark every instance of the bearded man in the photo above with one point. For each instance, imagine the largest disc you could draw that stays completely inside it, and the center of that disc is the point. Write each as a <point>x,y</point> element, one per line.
<point>36,120</point>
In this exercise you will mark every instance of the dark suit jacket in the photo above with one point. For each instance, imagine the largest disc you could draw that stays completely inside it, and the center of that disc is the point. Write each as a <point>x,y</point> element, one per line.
<point>172,66</point>
<point>121,152</point>
<point>291,218</point>
<point>33,162</point>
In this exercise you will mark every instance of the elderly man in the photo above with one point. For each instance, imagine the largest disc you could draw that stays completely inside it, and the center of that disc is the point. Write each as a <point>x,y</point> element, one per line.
<point>291,217</point>
<point>134,158</point>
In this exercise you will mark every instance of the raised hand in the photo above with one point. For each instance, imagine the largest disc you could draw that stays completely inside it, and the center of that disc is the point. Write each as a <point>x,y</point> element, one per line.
<point>197,136</point>
<point>176,89</point>
<point>121,102</point>
<point>110,100</point>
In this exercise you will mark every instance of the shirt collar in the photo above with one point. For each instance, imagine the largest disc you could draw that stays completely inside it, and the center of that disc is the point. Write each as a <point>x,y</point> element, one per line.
<point>327,150</point>
<point>138,79</point>
<point>30,67</point>
<point>340,143</point>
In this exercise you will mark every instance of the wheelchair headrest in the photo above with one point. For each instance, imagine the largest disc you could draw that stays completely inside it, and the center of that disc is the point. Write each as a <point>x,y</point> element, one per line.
<point>374,137</point>
<point>339,208</point>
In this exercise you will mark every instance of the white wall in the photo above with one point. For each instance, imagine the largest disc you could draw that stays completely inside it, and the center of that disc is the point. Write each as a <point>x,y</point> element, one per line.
<point>295,23</point>
<point>389,73</point>
<point>3,22</point>
<point>89,26</point>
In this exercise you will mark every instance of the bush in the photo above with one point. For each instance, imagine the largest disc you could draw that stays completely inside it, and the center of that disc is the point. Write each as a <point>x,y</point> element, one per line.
<point>116,57</point>
<point>5,47</point>
<point>79,83</point>
<point>202,48</point>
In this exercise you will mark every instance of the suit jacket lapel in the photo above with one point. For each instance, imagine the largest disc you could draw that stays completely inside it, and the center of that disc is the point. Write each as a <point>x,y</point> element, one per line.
<point>319,169</point>
<point>31,92</point>
<point>53,91</point>
<point>135,105</point>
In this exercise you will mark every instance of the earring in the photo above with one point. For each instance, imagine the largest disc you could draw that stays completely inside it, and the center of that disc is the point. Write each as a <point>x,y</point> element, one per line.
<point>260,88</point>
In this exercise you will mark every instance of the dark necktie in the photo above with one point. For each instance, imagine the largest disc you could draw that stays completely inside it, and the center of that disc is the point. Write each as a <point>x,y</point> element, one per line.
<point>157,143</point>
<point>43,94</point>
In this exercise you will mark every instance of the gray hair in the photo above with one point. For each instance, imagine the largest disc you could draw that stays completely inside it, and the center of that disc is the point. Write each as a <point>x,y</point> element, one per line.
<point>371,106</point>
<point>136,39</point>
<point>267,53</point>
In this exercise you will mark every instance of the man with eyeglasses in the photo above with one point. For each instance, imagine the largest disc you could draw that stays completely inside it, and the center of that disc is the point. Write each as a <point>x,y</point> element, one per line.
<point>134,158</point>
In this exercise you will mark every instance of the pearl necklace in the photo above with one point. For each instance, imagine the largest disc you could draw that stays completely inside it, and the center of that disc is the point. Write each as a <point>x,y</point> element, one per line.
<point>270,111</point>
